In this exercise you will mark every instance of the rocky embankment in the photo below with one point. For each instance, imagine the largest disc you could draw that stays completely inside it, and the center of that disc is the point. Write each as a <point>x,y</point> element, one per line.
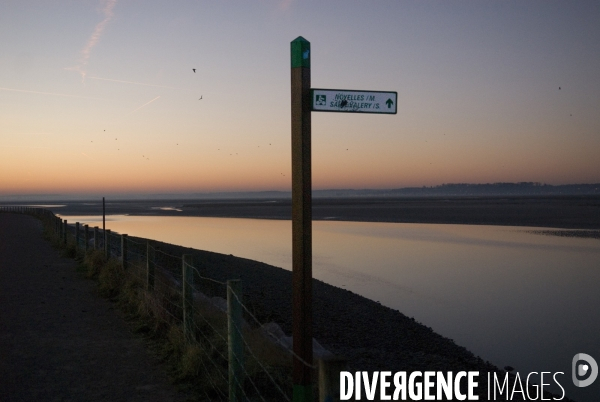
<point>370,336</point>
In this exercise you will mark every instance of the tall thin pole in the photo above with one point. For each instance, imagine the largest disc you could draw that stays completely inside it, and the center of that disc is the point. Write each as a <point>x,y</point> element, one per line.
<point>301,221</point>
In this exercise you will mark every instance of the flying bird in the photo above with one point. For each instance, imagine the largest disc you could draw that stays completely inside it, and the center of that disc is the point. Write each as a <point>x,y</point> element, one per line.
<point>200,97</point>
<point>193,69</point>
<point>559,88</point>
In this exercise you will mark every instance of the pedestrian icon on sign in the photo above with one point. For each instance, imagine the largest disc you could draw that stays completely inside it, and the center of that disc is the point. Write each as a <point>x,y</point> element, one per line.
<point>321,100</point>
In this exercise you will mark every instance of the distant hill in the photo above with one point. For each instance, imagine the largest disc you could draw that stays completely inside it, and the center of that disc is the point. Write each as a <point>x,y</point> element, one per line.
<point>465,189</point>
<point>443,190</point>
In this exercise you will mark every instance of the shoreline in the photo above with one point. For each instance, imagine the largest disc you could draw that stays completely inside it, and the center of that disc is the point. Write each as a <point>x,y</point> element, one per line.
<point>556,212</point>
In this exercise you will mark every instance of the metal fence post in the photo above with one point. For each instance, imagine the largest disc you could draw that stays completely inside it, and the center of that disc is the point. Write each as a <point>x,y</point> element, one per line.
<point>188,298</point>
<point>234,340</point>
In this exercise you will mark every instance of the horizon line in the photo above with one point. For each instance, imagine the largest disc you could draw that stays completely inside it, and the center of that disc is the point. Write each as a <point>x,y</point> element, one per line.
<point>238,193</point>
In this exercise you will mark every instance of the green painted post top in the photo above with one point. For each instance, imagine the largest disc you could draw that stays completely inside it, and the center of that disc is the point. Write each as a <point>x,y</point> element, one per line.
<point>300,52</point>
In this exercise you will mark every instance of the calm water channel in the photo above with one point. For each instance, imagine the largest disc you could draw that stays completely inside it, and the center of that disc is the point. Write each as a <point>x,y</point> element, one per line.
<point>514,298</point>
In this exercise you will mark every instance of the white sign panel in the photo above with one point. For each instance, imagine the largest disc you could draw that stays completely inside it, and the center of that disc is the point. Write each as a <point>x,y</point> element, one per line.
<point>343,100</point>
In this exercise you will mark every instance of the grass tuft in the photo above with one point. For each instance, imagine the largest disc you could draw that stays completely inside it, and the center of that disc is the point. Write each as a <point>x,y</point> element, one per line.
<point>94,260</point>
<point>110,278</point>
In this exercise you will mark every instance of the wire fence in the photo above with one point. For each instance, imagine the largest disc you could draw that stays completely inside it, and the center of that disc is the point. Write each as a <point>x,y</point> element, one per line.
<point>237,357</point>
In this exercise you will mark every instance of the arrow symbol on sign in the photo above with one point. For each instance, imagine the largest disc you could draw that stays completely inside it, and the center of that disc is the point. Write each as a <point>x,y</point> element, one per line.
<point>389,102</point>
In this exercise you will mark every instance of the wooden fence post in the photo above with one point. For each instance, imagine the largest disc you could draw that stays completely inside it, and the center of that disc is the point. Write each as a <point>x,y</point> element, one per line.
<point>65,232</point>
<point>188,298</point>
<point>124,251</point>
<point>234,340</point>
<point>329,378</point>
<point>95,237</point>
<point>149,267</point>
<point>76,236</point>
<point>87,237</point>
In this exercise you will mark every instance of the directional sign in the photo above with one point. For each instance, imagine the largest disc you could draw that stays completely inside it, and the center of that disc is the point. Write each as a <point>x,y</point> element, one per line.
<point>343,100</point>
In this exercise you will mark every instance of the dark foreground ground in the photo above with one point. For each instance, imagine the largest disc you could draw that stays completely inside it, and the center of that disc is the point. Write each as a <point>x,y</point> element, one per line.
<point>572,212</point>
<point>58,341</point>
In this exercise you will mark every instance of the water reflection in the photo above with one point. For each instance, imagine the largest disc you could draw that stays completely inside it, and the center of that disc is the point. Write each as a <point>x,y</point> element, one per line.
<point>513,297</point>
<point>167,209</point>
<point>39,205</point>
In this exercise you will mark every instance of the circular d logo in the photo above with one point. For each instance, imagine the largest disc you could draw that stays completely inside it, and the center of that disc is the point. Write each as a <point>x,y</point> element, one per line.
<point>584,365</point>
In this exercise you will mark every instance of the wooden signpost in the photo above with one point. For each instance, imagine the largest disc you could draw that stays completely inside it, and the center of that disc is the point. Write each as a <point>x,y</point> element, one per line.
<point>305,100</point>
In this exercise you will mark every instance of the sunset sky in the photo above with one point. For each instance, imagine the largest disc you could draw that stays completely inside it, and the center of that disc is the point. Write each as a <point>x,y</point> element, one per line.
<point>99,96</point>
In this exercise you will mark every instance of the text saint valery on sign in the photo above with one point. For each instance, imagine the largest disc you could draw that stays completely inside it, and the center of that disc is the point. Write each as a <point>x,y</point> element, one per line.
<point>342,100</point>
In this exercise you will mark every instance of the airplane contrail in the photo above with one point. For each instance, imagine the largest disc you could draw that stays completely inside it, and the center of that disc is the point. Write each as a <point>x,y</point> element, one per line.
<point>48,93</point>
<point>145,104</point>
<point>94,39</point>
<point>132,82</point>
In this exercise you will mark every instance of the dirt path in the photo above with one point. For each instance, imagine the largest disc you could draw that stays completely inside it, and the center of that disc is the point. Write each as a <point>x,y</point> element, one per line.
<point>58,340</point>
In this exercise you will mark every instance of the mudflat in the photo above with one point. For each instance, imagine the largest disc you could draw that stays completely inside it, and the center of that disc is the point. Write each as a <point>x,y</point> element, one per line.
<point>560,212</point>
<point>58,340</point>
<point>569,212</point>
